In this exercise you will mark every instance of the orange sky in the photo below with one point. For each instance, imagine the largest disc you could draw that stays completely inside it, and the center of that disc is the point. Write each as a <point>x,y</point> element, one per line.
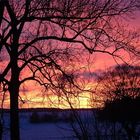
<point>32,93</point>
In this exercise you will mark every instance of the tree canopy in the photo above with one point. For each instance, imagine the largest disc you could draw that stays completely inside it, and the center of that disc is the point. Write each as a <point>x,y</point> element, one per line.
<point>39,35</point>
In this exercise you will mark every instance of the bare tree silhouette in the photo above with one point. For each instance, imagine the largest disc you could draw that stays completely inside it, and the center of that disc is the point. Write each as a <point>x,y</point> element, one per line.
<point>34,36</point>
<point>121,89</point>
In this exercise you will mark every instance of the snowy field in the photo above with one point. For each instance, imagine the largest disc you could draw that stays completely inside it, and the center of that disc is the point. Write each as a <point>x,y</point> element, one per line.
<point>40,131</point>
<point>62,129</point>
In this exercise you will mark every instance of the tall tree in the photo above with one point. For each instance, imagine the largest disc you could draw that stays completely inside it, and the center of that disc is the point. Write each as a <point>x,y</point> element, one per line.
<point>120,82</point>
<point>34,36</point>
<point>121,90</point>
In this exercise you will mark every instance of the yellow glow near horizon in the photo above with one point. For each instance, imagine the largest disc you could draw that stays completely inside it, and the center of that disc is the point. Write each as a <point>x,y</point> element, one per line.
<point>36,99</point>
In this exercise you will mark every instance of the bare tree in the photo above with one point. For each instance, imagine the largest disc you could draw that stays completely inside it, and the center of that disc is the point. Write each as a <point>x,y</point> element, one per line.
<point>120,88</point>
<point>2,92</point>
<point>34,36</point>
<point>69,92</point>
<point>120,82</point>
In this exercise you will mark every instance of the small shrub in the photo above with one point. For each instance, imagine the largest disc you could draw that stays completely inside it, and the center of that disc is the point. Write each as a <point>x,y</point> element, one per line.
<point>41,118</point>
<point>49,117</point>
<point>34,118</point>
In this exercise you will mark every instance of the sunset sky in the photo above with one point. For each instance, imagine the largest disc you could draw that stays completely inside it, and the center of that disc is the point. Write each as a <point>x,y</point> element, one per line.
<point>32,95</point>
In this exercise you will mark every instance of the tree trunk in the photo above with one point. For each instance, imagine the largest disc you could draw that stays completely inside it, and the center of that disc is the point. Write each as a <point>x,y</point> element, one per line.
<point>14,92</point>
<point>14,114</point>
<point>1,130</point>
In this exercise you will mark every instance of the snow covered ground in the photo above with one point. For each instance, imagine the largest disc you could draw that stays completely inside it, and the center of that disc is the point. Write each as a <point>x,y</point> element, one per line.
<point>40,131</point>
<point>62,129</point>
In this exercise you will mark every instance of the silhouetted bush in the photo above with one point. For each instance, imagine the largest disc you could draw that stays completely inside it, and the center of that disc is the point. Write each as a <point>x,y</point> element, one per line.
<point>125,111</point>
<point>41,118</point>
<point>34,118</point>
<point>52,117</point>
